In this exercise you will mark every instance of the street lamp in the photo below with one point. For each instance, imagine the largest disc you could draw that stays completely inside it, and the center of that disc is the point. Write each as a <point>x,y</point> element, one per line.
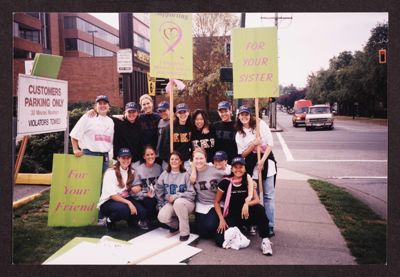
<point>92,32</point>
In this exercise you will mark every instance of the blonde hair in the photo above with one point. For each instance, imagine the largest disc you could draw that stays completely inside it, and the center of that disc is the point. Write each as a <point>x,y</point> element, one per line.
<point>199,150</point>
<point>143,97</point>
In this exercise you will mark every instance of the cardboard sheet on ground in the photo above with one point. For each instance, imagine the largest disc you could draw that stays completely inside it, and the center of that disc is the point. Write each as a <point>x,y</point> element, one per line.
<point>155,247</point>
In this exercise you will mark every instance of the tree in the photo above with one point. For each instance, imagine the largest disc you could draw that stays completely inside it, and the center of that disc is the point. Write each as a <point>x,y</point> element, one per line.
<point>211,32</point>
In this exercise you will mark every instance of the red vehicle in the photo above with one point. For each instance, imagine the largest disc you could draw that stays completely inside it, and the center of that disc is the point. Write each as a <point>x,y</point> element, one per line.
<point>300,110</point>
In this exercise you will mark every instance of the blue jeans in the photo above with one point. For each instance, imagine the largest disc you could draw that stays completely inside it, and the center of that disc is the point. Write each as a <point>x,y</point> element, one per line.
<point>269,199</point>
<point>207,224</point>
<point>117,211</point>
<point>104,155</point>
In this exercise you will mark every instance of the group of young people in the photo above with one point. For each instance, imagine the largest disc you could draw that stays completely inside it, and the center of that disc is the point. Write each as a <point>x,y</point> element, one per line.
<point>210,173</point>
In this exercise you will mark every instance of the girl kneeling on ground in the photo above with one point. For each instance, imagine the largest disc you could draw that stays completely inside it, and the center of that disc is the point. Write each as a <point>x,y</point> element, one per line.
<point>175,196</point>
<point>238,209</point>
<point>146,176</point>
<point>115,202</point>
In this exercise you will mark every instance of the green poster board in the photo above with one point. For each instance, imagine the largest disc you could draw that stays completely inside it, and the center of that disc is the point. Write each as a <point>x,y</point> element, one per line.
<point>47,66</point>
<point>75,190</point>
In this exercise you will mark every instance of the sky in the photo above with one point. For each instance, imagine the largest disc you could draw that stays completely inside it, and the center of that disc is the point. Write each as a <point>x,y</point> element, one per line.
<point>308,41</point>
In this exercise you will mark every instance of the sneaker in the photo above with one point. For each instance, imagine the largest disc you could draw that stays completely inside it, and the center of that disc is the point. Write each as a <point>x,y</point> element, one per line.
<point>184,238</point>
<point>173,230</point>
<point>266,247</point>
<point>111,227</point>
<point>253,230</point>
<point>102,221</point>
<point>142,224</point>
<point>271,232</point>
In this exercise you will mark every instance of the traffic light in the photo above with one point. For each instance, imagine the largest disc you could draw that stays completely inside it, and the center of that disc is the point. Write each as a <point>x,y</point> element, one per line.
<point>382,55</point>
<point>225,74</point>
<point>227,49</point>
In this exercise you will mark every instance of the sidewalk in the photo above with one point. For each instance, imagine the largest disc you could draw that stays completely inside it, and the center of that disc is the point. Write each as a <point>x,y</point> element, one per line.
<point>305,232</point>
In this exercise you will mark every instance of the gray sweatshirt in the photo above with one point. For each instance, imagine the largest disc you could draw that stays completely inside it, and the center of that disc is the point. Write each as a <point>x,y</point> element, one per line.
<point>175,184</point>
<point>207,184</point>
<point>146,178</point>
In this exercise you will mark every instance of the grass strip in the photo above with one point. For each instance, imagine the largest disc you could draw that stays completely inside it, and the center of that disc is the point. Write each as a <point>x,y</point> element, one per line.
<point>363,230</point>
<point>34,241</point>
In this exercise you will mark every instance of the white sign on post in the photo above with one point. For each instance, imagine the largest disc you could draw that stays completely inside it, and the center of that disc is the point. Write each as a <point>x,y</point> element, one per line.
<point>42,105</point>
<point>124,61</point>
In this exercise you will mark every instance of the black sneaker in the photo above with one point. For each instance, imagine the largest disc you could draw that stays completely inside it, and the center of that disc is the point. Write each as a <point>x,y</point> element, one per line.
<point>271,232</point>
<point>184,238</point>
<point>111,227</point>
<point>142,224</point>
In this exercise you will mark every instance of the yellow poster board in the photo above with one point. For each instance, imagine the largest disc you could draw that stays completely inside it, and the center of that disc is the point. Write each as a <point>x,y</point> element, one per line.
<point>255,62</point>
<point>151,85</point>
<point>171,45</point>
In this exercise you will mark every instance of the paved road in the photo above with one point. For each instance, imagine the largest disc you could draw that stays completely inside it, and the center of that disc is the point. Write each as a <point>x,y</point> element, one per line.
<point>353,155</point>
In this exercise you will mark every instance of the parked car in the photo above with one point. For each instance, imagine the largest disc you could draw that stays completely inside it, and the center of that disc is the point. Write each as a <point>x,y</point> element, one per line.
<point>319,116</point>
<point>300,110</point>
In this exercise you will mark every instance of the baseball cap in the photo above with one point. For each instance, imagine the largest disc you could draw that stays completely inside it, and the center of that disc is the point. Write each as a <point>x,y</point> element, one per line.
<point>181,107</point>
<point>102,98</point>
<point>124,152</point>
<point>164,105</point>
<point>244,109</point>
<point>131,106</point>
<point>238,160</point>
<point>224,105</point>
<point>220,156</point>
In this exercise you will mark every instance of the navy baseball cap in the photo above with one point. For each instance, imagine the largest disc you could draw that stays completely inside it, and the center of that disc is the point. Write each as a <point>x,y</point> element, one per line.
<point>224,105</point>
<point>181,107</point>
<point>162,106</point>
<point>244,109</point>
<point>220,156</point>
<point>124,152</point>
<point>131,106</point>
<point>102,98</point>
<point>238,160</point>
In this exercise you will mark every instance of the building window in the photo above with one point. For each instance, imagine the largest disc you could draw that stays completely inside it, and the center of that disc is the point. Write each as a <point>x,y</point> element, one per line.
<point>32,35</point>
<point>70,22</point>
<point>71,44</point>
<point>102,34</point>
<point>141,43</point>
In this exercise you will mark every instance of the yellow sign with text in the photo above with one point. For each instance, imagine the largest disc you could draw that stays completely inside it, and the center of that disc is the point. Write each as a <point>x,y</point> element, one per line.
<point>151,85</point>
<point>171,45</point>
<point>255,62</point>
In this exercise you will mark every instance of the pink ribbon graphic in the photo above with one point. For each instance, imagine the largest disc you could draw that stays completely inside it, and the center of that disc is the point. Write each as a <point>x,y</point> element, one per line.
<point>170,31</point>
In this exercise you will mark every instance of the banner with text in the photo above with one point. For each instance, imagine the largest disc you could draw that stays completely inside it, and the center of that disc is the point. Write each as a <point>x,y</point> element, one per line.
<point>42,105</point>
<point>75,190</point>
<point>171,45</point>
<point>255,62</point>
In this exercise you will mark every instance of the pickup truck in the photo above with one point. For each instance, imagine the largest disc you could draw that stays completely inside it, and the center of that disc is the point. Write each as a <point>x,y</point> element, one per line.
<point>319,116</point>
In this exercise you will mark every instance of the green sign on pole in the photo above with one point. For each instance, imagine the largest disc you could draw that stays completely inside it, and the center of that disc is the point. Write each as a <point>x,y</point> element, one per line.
<point>75,190</point>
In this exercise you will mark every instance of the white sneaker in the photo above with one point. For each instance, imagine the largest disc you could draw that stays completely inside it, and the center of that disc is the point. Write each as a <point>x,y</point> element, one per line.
<point>266,247</point>
<point>102,221</point>
<point>253,230</point>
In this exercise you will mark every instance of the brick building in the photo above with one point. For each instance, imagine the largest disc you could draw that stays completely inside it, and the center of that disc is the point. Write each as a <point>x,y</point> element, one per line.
<point>88,47</point>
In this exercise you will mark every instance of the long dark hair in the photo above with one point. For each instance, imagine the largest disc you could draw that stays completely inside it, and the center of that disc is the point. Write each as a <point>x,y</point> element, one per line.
<point>205,118</point>
<point>130,179</point>
<point>181,167</point>
<point>239,124</point>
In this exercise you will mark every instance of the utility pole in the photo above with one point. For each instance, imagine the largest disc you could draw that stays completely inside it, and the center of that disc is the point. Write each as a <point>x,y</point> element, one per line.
<point>92,32</point>
<point>126,41</point>
<point>272,105</point>
<point>242,25</point>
